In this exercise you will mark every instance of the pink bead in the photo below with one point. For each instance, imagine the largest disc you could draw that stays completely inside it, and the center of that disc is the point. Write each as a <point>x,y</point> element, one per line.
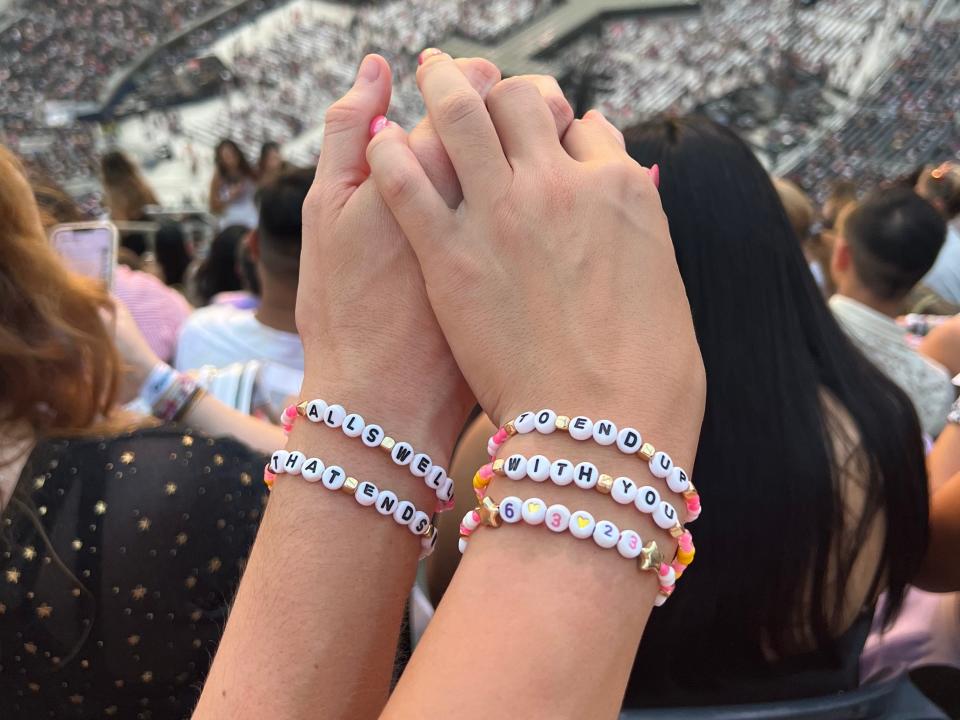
<point>686,541</point>
<point>486,472</point>
<point>692,514</point>
<point>269,476</point>
<point>664,569</point>
<point>693,503</point>
<point>481,493</point>
<point>444,505</point>
<point>501,437</point>
<point>679,568</point>
<point>492,449</point>
<point>465,531</point>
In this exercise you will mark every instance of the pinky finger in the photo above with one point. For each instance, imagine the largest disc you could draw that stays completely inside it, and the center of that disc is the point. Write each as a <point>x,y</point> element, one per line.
<point>405,188</point>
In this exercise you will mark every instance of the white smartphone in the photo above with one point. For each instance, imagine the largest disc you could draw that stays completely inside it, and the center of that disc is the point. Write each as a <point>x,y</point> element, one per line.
<point>88,248</point>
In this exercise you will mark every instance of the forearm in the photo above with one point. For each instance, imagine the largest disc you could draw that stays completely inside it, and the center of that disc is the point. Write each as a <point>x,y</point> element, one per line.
<point>940,571</point>
<point>943,462</point>
<point>213,417</point>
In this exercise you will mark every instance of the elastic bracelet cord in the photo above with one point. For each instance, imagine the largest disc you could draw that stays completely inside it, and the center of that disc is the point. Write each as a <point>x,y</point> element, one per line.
<point>581,525</point>
<point>604,432</point>
<point>403,454</point>
<point>335,478</point>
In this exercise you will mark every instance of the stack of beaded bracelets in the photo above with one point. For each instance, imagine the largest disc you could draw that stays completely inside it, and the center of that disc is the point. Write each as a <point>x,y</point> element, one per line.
<point>333,477</point>
<point>402,453</point>
<point>603,432</point>
<point>581,525</point>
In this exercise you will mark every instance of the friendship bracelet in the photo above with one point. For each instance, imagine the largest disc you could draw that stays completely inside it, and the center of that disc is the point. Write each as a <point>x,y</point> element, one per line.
<point>334,477</point>
<point>604,432</point>
<point>586,476</point>
<point>580,524</point>
<point>402,453</point>
<point>181,393</point>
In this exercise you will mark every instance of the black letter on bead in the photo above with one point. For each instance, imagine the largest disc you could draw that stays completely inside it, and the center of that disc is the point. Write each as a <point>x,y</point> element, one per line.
<point>313,413</point>
<point>580,423</point>
<point>424,464</point>
<point>403,452</point>
<point>513,462</point>
<point>669,511</point>
<point>586,473</point>
<point>349,425</point>
<point>366,488</point>
<point>421,526</point>
<point>334,474</point>
<point>292,460</point>
<point>605,428</point>
<point>544,417</point>
<point>408,513</point>
<point>631,439</point>
<point>310,466</point>
<point>373,434</point>
<point>435,478</point>
<point>665,462</point>
<point>650,497</point>
<point>387,503</point>
<point>274,464</point>
<point>627,484</point>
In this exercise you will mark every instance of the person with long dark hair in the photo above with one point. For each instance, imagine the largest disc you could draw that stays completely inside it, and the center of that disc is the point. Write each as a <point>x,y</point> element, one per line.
<point>233,186</point>
<point>220,271</point>
<point>810,459</point>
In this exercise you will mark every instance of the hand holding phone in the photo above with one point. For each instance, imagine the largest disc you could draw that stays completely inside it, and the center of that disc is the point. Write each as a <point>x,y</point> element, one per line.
<point>88,248</point>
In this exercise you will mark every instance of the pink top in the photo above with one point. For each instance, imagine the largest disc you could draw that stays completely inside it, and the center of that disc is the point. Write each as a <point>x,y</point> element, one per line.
<point>158,309</point>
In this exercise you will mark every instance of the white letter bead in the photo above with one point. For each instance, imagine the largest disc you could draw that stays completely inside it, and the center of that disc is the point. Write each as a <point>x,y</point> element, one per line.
<point>677,480</point>
<point>647,499</point>
<point>294,463</point>
<point>534,511</point>
<point>312,469</point>
<point>606,534</point>
<point>538,468</point>
<point>402,453</point>
<point>420,522</point>
<point>445,492</point>
<point>372,435</point>
<point>333,478</point>
<point>386,502</point>
<point>665,516</point>
<point>515,467</point>
<point>581,428</point>
<point>661,464</point>
<point>546,422</point>
<point>510,510</point>
<point>561,472</point>
<point>352,425</point>
<point>278,460</point>
<point>315,410</point>
<point>629,440</point>
<point>582,525</point>
<point>525,423</point>
<point>462,545</point>
<point>585,475</point>
<point>404,513</point>
<point>604,432</point>
<point>630,544</point>
<point>366,493</point>
<point>420,465</point>
<point>334,416</point>
<point>436,477</point>
<point>624,490</point>
<point>558,518</point>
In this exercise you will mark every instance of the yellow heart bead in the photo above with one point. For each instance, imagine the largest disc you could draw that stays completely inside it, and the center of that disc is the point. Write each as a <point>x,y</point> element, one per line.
<point>533,507</point>
<point>583,522</point>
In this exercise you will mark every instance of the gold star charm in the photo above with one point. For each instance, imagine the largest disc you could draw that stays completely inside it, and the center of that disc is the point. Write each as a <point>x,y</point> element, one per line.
<point>187,441</point>
<point>138,592</point>
<point>76,699</point>
<point>489,512</point>
<point>30,648</point>
<point>181,538</point>
<point>127,457</point>
<point>13,576</point>
<point>218,460</point>
<point>245,479</point>
<point>44,611</point>
<point>38,482</point>
<point>143,524</point>
<point>34,687</point>
<point>147,677</point>
<point>214,564</point>
<point>650,557</point>
<point>100,508</point>
<point>3,609</point>
<point>29,553</point>
<point>170,488</point>
<point>133,640</point>
<point>76,544</point>
<point>190,581</point>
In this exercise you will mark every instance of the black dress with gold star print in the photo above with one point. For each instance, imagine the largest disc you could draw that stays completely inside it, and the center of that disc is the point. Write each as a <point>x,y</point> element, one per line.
<point>118,558</point>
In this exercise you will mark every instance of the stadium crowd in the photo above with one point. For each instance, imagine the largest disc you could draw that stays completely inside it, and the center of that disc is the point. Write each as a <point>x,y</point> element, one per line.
<point>791,341</point>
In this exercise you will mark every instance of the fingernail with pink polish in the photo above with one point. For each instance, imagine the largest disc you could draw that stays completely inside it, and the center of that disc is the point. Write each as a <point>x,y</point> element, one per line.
<point>428,53</point>
<point>378,124</point>
<point>655,175</point>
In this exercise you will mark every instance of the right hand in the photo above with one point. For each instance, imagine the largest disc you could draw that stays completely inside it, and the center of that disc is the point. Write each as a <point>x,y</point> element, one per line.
<point>555,281</point>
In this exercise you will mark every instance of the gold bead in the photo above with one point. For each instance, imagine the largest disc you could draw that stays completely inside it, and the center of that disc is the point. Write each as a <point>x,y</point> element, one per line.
<point>511,430</point>
<point>690,492</point>
<point>646,452</point>
<point>605,484</point>
<point>429,532</point>
<point>388,443</point>
<point>650,557</point>
<point>489,512</point>
<point>350,485</point>
<point>302,408</point>
<point>677,530</point>
<point>498,467</point>
<point>562,422</point>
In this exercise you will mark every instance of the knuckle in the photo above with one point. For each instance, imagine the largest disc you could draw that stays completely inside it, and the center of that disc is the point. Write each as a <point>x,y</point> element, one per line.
<point>458,107</point>
<point>561,110</point>
<point>399,184</point>
<point>512,88</point>
<point>341,116</point>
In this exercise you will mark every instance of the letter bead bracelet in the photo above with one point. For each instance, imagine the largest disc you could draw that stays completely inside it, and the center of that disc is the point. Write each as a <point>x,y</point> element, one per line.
<point>353,425</point>
<point>603,432</point>
<point>335,478</point>
<point>581,525</point>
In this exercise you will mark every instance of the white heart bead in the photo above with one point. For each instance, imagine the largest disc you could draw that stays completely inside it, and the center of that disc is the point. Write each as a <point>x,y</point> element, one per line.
<point>533,511</point>
<point>510,509</point>
<point>312,469</point>
<point>630,544</point>
<point>582,524</point>
<point>525,423</point>
<point>661,464</point>
<point>624,490</point>
<point>558,518</point>
<point>538,468</point>
<point>515,467</point>
<point>333,478</point>
<point>334,416</point>
<point>581,428</point>
<point>585,475</point>
<point>561,472</point>
<point>677,480</point>
<point>372,435</point>
<point>606,534</point>
<point>294,462</point>
<point>366,493</point>
<point>420,465</point>
<point>387,502</point>
<point>647,499</point>
<point>604,432</point>
<point>315,410</point>
<point>629,440</point>
<point>546,422</point>
<point>665,516</point>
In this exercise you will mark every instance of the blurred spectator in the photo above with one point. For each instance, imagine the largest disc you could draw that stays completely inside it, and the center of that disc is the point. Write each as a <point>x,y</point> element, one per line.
<point>173,254</point>
<point>884,245</point>
<point>800,213</point>
<point>126,196</point>
<point>233,186</point>
<point>270,163</point>
<point>941,186</point>
<point>220,335</point>
<point>219,273</point>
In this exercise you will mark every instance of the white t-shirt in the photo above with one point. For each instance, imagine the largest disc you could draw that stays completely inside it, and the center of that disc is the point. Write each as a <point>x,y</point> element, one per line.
<point>944,276</point>
<point>221,335</point>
